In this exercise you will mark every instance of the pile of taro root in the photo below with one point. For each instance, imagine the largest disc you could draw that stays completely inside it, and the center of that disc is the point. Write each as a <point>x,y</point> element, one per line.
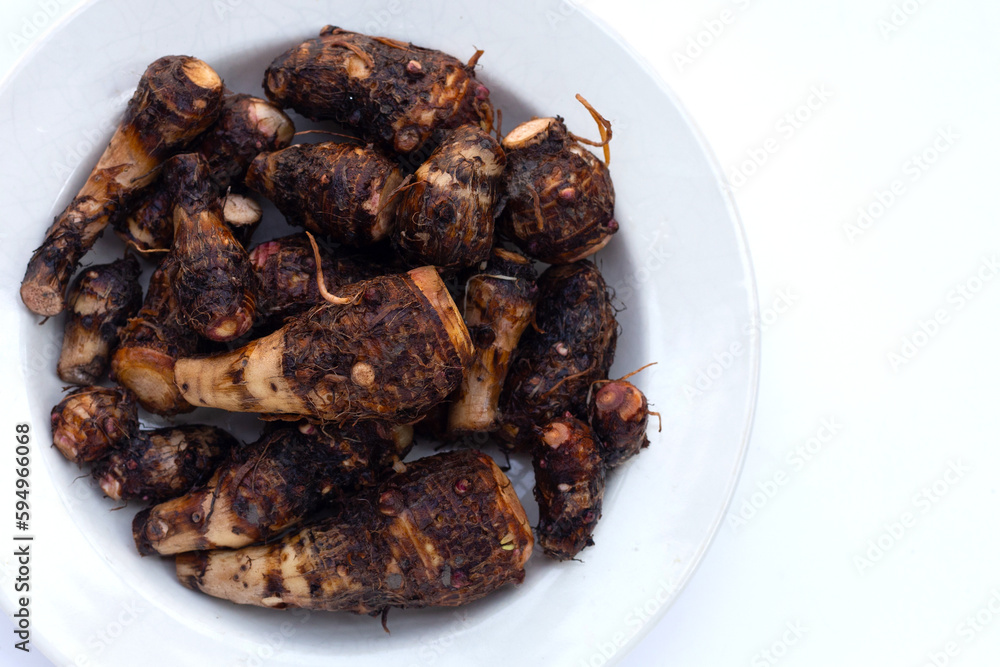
<point>346,338</point>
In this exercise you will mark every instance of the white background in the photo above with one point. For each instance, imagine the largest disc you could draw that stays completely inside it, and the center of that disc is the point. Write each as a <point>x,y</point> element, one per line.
<point>864,530</point>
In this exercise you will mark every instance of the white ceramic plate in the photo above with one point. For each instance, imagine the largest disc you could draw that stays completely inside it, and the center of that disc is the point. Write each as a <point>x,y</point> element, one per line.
<point>679,267</point>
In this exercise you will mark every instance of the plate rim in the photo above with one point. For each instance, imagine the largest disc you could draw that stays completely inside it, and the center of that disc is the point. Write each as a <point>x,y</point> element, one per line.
<point>50,649</point>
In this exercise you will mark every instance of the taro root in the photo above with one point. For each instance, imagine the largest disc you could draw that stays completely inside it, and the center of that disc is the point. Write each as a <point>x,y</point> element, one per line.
<point>393,93</point>
<point>242,214</point>
<point>393,349</point>
<point>149,227</point>
<point>447,531</point>
<point>91,421</point>
<point>446,215</point>
<point>215,285</point>
<point>245,127</point>
<point>271,485</point>
<point>177,98</point>
<point>570,346</point>
<point>569,487</point>
<point>151,342</point>
<point>163,463</point>
<point>99,302</point>
<point>561,201</point>
<point>342,192</point>
<point>499,304</point>
<point>286,269</point>
<point>619,415</point>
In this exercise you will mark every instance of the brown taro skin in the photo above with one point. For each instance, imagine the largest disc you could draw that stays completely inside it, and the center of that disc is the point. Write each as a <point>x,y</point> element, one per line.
<point>396,349</point>
<point>99,302</point>
<point>569,487</point>
<point>91,421</point>
<point>570,346</point>
<point>148,225</point>
<point>215,286</point>
<point>245,127</point>
<point>270,485</point>
<point>395,94</point>
<point>447,531</point>
<point>619,414</point>
<point>176,99</point>
<point>561,201</point>
<point>163,463</point>
<point>341,192</point>
<point>151,342</point>
<point>286,268</point>
<point>446,215</point>
<point>499,306</point>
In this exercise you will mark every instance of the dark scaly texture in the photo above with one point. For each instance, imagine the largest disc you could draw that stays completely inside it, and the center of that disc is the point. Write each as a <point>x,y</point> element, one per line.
<point>570,346</point>
<point>91,421</point>
<point>215,286</point>
<point>148,226</point>
<point>499,305</point>
<point>561,201</point>
<point>413,365</point>
<point>447,531</point>
<point>395,94</point>
<point>99,302</point>
<point>270,485</point>
<point>245,127</point>
<point>342,192</point>
<point>446,215</point>
<point>151,342</point>
<point>394,351</point>
<point>569,487</point>
<point>176,99</point>
<point>286,268</point>
<point>163,463</point>
<point>619,414</point>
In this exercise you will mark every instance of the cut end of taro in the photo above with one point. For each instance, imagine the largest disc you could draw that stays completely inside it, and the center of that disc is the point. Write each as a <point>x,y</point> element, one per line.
<point>241,211</point>
<point>610,396</point>
<point>229,327</point>
<point>273,122</point>
<point>556,434</point>
<point>201,74</point>
<point>67,445</point>
<point>42,299</point>
<point>111,486</point>
<point>621,397</point>
<point>526,134</point>
<point>150,376</point>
